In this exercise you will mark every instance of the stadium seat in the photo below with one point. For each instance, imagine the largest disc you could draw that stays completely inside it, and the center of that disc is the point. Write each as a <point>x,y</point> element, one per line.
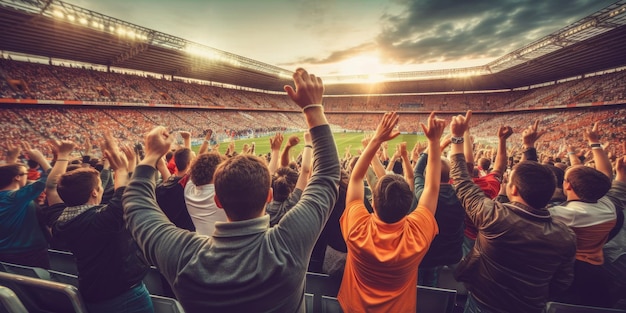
<point>64,278</point>
<point>319,285</point>
<point>62,261</point>
<point>557,307</point>
<point>166,305</point>
<point>23,270</point>
<point>330,305</point>
<point>10,302</point>
<point>308,302</point>
<point>435,300</point>
<point>40,295</point>
<point>157,284</point>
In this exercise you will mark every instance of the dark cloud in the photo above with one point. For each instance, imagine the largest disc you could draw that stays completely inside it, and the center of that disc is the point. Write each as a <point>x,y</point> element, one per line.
<point>450,30</point>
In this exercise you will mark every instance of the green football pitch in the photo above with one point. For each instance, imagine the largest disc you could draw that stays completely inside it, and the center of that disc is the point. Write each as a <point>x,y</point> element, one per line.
<point>343,140</point>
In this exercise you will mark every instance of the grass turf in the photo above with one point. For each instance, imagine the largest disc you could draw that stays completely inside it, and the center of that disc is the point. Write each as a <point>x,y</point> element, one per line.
<point>343,140</point>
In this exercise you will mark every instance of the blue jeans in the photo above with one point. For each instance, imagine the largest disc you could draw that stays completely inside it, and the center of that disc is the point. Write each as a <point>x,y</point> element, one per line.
<point>472,306</point>
<point>135,300</point>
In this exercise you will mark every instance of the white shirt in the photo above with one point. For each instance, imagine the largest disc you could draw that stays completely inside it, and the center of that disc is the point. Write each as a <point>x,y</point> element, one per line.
<point>202,208</point>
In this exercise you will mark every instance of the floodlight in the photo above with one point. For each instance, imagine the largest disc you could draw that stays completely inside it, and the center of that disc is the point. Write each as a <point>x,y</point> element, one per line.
<point>83,21</point>
<point>58,14</point>
<point>71,18</point>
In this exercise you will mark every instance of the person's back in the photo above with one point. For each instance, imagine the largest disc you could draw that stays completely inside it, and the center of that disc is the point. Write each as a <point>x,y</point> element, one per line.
<point>170,194</point>
<point>200,194</point>
<point>110,266</point>
<point>385,248</point>
<point>521,256</point>
<point>246,265</point>
<point>21,239</point>
<point>446,247</point>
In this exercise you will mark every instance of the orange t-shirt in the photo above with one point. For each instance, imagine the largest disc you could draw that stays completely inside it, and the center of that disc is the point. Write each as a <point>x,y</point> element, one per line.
<point>382,261</point>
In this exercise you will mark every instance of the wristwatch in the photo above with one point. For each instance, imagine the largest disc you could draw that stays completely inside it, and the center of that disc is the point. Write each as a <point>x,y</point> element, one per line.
<point>457,140</point>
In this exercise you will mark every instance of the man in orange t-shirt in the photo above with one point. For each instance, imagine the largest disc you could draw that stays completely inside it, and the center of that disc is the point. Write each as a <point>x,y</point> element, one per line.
<point>386,247</point>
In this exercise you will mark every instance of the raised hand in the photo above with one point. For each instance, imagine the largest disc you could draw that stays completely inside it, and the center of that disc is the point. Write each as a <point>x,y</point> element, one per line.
<point>158,141</point>
<point>185,134</point>
<point>402,148</point>
<point>131,156</point>
<point>276,142</point>
<point>309,89</point>
<point>12,153</point>
<point>63,148</point>
<point>293,140</point>
<point>435,127</point>
<point>531,134</point>
<point>118,160</point>
<point>592,135</point>
<point>504,132</point>
<point>386,129</point>
<point>460,124</point>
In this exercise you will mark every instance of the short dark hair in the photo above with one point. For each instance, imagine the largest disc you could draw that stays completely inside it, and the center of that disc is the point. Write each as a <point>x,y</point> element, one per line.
<point>588,183</point>
<point>203,168</point>
<point>283,183</point>
<point>535,183</point>
<point>559,174</point>
<point>242,184</point>
<point>392,198</point>
<point>484,163</point>
<point>8,172</point>
<point>182,158</point>
<point>32,164</point>
<point>75,187</point>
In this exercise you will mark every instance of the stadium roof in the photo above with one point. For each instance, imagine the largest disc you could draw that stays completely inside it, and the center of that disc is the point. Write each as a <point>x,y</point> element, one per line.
<point>55,29</point>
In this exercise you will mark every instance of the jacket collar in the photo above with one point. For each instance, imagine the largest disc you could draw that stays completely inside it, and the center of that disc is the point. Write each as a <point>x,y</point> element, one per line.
<point>242,228</point>
<point>526,210</point>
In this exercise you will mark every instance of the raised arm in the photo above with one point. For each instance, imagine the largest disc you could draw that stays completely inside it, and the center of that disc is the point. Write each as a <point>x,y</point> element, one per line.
<point>600,157</point>
<point>394,157</point>
<point>529,137</point>
<point>36,156</point>
<point>275,143</point>
<point>407,169</point>
<point>291,142</point>
<point>384,132</point>
<point>307,160</point>
<point>207,140</point>
<point>504,132</point>
<point>186,139</point>
<point>468,150</point>
<point>432,181</point>
<point>304,222</point>
<point>63,150</point>
<point>377,166</point>
<point>12,153</point>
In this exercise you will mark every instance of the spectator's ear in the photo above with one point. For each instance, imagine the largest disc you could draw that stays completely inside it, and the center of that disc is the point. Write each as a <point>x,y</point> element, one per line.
<point>217,202</point>
<point>270,195</point>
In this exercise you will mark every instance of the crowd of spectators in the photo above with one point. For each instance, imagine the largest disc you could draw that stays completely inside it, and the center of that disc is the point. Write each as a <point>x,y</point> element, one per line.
<point>24,80</point>
<point>390,221</point>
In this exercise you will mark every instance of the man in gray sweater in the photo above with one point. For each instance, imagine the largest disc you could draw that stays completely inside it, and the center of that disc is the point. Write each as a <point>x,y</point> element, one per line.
<point>246,265</point>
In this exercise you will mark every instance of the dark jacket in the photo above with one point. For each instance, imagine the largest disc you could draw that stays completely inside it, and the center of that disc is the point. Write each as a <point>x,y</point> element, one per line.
<point>170,196</point>
<point>446,247</point>
<point>521,255</point>
<point>108,259</point>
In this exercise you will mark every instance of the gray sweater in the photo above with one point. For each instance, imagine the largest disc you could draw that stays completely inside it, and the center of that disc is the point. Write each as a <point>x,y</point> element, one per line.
<point>246,266</point>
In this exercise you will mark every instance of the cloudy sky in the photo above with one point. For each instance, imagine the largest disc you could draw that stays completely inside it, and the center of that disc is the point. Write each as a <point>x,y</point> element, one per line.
<point>339,37</point>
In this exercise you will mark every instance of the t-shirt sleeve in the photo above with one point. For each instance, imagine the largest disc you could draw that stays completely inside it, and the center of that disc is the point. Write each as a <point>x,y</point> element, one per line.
<point>424,222</point>
<point>354,215</point>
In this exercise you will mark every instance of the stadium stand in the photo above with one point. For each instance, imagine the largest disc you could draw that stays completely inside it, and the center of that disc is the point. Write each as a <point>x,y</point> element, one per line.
<point>565,90</point>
